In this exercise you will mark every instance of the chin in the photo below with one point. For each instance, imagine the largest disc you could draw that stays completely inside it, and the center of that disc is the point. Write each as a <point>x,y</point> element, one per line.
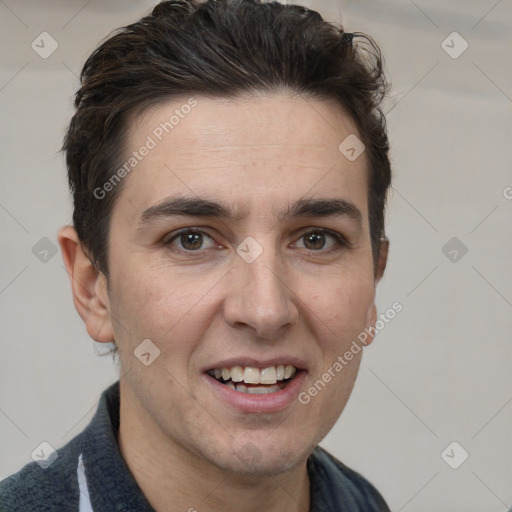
<point>264,467</point>
<point>262,459</point>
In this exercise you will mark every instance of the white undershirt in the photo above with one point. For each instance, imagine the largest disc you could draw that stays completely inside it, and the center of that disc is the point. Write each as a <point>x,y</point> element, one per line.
<point>85,502</point>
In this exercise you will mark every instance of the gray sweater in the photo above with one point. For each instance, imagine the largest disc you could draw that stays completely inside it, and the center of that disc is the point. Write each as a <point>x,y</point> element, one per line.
<point>89,474</point>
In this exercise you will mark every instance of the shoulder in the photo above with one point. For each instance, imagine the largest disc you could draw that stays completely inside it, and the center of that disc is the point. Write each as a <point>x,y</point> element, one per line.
<point>42,487</point>
<point>335,486</point>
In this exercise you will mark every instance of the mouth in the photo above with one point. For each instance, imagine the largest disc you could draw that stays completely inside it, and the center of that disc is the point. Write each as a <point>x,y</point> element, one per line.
<point>255,381</point>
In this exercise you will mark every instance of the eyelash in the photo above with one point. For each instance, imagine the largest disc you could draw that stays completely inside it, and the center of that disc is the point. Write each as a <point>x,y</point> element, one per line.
<point>341,241</point>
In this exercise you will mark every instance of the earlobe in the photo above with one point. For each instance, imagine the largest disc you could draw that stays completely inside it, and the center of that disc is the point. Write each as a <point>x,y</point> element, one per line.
<point>370,324</point>
<point>379,272</point>
<point>383,259</point>
<point>88,285</point>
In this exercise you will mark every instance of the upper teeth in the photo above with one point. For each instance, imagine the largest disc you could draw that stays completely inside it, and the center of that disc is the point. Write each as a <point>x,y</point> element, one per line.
<point>252,375</point>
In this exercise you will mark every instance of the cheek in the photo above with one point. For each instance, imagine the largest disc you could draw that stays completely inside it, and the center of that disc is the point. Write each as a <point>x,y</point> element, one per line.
<point>342,307</point>
<point>140,306</point>
<point>160,305</point>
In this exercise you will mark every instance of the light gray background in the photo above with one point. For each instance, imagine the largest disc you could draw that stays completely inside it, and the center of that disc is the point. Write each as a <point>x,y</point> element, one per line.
<point>439,372</point>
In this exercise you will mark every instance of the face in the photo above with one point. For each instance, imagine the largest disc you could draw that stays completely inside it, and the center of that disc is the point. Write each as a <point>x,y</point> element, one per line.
<point>240,245</point>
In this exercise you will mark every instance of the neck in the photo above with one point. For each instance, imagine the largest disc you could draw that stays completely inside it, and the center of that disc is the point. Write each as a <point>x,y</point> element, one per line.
<point>175,480</point>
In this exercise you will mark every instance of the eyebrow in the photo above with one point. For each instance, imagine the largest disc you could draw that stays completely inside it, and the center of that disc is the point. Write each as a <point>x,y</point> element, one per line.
<point>198,207</point>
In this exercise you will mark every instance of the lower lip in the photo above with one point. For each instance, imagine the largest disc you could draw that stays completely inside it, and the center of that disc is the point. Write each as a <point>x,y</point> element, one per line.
<point>268,403</point>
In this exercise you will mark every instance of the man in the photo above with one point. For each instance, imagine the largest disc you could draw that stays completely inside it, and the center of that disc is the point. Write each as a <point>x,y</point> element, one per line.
<point>228,164</point>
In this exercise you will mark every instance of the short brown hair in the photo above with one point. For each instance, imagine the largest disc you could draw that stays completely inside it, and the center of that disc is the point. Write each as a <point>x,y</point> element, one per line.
<point>220,48</point>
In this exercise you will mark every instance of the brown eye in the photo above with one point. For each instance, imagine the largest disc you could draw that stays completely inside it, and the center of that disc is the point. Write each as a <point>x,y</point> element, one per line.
<point>189,240</point>
<point>314,240</point>
<point>317,239</point>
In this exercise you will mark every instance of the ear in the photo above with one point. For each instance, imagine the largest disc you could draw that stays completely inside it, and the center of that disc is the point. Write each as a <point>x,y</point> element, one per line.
<point>382,260</point>
<point>379,272</point>
<point>88,285</point>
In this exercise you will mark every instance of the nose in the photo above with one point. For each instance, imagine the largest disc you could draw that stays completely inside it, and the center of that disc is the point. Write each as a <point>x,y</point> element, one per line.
<point>260,298</point>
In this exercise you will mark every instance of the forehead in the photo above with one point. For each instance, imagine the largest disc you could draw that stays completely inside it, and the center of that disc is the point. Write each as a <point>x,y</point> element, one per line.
<point>241,149</point>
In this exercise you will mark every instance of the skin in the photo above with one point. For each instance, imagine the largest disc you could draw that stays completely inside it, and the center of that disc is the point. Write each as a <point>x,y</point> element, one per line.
<point>298,298</point>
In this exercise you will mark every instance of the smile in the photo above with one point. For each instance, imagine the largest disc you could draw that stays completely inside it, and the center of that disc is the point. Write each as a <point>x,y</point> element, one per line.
<point>255,381</point>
